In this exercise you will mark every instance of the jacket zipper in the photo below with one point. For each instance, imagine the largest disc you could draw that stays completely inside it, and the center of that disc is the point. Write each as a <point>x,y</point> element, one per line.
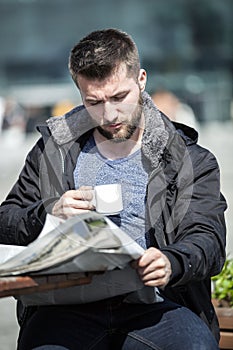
<point>62,160</point>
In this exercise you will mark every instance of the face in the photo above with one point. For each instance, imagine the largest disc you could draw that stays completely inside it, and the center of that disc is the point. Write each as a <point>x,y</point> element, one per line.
<point>114,103</point>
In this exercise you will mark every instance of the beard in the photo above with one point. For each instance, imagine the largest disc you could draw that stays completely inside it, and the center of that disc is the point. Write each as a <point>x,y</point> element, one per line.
<point>127,129</point>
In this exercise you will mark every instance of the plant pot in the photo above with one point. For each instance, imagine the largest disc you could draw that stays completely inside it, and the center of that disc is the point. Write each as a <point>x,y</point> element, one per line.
<point>225,318</point>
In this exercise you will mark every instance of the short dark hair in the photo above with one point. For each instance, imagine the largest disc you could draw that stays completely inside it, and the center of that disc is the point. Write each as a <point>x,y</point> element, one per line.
<point>97,55</point>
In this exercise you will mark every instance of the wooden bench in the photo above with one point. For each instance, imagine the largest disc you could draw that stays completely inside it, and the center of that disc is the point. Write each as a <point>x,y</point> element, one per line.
<point>10,286</point>
<point>225,318</point>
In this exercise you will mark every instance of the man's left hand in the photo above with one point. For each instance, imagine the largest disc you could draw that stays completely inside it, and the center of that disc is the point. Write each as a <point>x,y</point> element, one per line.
<point>154,268</point>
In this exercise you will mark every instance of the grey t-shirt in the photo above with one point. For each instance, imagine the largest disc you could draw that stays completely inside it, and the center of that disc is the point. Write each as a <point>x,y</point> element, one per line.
<point>93,169</point>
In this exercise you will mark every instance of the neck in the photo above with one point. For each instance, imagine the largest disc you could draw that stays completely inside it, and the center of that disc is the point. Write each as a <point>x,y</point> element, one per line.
<point>114,150</point>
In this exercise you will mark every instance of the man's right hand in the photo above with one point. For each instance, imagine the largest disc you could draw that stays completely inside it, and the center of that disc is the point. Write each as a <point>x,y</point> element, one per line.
<point>74,202</point>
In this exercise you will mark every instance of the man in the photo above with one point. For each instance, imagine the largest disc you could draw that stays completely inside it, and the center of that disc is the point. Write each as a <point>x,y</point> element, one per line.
<point>172,207</point>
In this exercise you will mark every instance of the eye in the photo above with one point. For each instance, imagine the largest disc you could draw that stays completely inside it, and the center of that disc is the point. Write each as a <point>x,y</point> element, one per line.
<point>119,98</point>
<point>93,103</point>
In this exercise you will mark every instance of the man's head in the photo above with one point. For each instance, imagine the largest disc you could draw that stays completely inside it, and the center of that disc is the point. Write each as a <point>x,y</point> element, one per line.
<point>98,54</point>
<point>105,67</point>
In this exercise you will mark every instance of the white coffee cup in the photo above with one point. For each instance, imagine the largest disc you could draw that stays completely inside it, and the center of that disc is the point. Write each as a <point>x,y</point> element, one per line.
<point>108,199</point>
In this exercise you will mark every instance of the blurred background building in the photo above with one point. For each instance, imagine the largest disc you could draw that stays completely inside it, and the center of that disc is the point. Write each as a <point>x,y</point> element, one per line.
<point>185,46</point>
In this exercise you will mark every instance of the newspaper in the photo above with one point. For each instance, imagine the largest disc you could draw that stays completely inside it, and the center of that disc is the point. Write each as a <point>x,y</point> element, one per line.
<point>87,242</point>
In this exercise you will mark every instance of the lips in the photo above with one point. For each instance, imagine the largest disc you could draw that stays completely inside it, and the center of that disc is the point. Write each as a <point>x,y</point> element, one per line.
<point>115,126</point>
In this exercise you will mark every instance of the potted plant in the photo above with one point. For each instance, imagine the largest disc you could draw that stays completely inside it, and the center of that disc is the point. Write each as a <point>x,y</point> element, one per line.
<point>222,296</point>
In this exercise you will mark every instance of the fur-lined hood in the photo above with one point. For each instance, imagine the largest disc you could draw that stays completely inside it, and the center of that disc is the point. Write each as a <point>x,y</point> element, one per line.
<point>77,122</point>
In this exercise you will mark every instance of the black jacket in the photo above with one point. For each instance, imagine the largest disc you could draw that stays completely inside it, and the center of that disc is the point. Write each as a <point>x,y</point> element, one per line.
<point>185,209</point>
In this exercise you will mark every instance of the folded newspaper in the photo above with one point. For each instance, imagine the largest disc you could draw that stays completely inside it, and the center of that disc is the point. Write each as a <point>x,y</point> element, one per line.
<point>87,242</point>
<point>84,243</point>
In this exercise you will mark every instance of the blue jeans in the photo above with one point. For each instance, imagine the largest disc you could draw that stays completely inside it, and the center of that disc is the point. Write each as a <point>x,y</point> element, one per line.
<point>112,324</point>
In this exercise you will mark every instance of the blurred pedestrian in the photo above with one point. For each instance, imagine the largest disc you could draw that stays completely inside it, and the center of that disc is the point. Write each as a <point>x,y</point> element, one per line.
<point>176,110</point>
<point>62,107</point>
<point>13,116</point>
<point>2,109</point>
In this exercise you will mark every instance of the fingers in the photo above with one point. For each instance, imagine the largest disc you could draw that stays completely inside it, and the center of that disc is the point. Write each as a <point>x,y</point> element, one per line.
<point>154,268</point>
<point>74,202</point>
<point>84,193</point>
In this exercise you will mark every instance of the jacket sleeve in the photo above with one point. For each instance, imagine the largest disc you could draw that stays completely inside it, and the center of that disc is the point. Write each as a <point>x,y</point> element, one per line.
<point>22,214</point>
<point>197,249</point>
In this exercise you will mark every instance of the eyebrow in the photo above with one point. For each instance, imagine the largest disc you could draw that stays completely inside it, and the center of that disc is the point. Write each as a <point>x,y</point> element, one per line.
<point>91,99</point>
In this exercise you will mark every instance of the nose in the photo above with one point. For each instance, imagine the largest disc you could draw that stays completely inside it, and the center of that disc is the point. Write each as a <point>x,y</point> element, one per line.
<point>109,112</point>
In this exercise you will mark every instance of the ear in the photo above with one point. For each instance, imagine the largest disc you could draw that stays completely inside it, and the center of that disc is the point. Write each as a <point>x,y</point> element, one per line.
<point>142,78</point>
